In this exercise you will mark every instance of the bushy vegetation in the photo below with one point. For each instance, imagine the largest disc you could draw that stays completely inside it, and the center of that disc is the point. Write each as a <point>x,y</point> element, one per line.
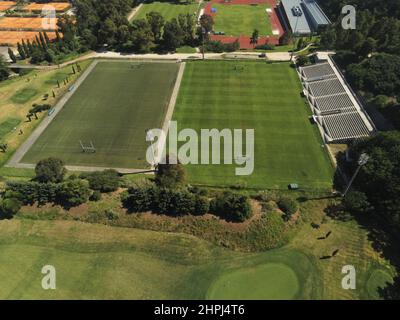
<point>288,205</point>
<point>379,180</point>
<point>218,46</point>
<point>50,170</point>
<point>170,175</point>
<point>103,181</point>
<point>232,207</point>
<point>175,202</point>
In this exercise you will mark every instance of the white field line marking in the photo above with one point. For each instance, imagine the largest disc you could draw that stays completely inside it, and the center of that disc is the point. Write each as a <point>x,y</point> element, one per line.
<point>168,116</point>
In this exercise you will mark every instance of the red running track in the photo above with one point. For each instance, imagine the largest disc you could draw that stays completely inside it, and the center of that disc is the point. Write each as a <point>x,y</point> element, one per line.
<point>244,40</point>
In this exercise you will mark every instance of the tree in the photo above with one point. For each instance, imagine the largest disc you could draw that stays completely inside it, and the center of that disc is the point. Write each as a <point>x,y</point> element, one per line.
<point>207,23</point>
<point>156,22</point>
<point>302,60</point>
<point>73,193</point>
<point>232,207</point>
<point>4,70</point>
<point>142,36</point>
<point>288,206</point>
<point>103,181</point>
<point>9,207</point>
<point>254,37</point>
<point>357,202</point>
<point>50,170</point>
<point>12,55</point>
<point>170,175</point>
<point>21,51</point>
<point>379,179</point>
<point>173,35</point>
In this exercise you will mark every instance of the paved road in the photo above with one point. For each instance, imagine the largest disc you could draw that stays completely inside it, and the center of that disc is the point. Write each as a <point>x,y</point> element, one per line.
<point>274,56</point>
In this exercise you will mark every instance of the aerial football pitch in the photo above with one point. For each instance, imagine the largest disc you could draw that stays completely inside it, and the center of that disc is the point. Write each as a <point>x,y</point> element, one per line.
<point>112,109</point>
<point>260,96</point>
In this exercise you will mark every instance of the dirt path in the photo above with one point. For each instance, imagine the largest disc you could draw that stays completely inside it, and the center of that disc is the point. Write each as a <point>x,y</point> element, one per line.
<point>134,11</point>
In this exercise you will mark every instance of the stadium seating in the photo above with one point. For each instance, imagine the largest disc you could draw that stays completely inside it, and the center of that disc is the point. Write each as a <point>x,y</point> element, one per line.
<point>336,110</point>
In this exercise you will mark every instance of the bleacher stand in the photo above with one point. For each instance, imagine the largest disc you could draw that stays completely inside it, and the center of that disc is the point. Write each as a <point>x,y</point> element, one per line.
<point>337,111</point>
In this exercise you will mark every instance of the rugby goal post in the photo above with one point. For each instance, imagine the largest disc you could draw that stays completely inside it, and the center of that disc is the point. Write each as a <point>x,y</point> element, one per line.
<point>87,148</point>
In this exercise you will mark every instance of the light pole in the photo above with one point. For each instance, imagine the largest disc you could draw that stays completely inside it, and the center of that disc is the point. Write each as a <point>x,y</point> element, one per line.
<point>203,34</point>
<point>294,35</point>
<point>362,161</point>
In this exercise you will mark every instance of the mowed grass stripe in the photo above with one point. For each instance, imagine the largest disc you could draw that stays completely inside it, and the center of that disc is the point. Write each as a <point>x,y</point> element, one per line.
<point>235,20</point>
<point>112,108</point>
<point>263,97</point>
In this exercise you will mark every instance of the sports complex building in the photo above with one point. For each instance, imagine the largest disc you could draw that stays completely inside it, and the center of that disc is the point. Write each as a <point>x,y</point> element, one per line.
<point>302,17</point>
<point>337,111</point>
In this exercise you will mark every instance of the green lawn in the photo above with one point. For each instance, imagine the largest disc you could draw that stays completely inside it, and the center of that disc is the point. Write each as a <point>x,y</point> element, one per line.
<point>235,20</point>
<point>168,10</point>
<point>263,97</point>
<point>113,108</point>
<point>99,262</point>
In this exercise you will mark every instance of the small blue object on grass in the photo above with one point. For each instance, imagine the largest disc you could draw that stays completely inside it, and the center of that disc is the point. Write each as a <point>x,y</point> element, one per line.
<point>71,88</point>
<point>213,10</point>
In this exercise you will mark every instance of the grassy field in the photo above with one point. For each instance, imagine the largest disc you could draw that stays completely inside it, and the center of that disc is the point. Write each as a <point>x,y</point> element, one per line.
<point>94,261</point>
<point>113,108</point>
<point>263,97</point>
<point>168,10</point>
<point>101,262</point>
<point>17,96</point>
<point>235,20</point>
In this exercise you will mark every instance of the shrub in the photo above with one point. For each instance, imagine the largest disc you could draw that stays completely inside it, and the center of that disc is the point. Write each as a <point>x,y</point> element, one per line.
<point>138,199</point>
<point>73,193</point>
<point>103,181</point>
<point>232,207</point>
<point>96,196</point>
<point>170,175</point>
<point>9,207</point>
<point>202,206</point>
<point>31,192</point>
<point>50,170</point>
<point>288,205</point>
<point>111,215</point>
<point>266,46</point>
<point>357,202</point>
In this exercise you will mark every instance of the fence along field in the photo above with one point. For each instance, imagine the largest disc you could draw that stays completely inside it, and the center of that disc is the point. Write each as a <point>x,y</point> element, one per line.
<point>112,108</point>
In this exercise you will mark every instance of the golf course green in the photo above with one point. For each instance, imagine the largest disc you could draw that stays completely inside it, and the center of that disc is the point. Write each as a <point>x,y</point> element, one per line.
<point>264,282</point>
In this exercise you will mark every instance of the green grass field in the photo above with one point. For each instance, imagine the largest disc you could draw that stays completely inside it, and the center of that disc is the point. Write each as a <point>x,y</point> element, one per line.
<point>113,108</point>
<point>263,97</point>
<point>235,20</point>
<point>168,10</point>
<point>95,261</point>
